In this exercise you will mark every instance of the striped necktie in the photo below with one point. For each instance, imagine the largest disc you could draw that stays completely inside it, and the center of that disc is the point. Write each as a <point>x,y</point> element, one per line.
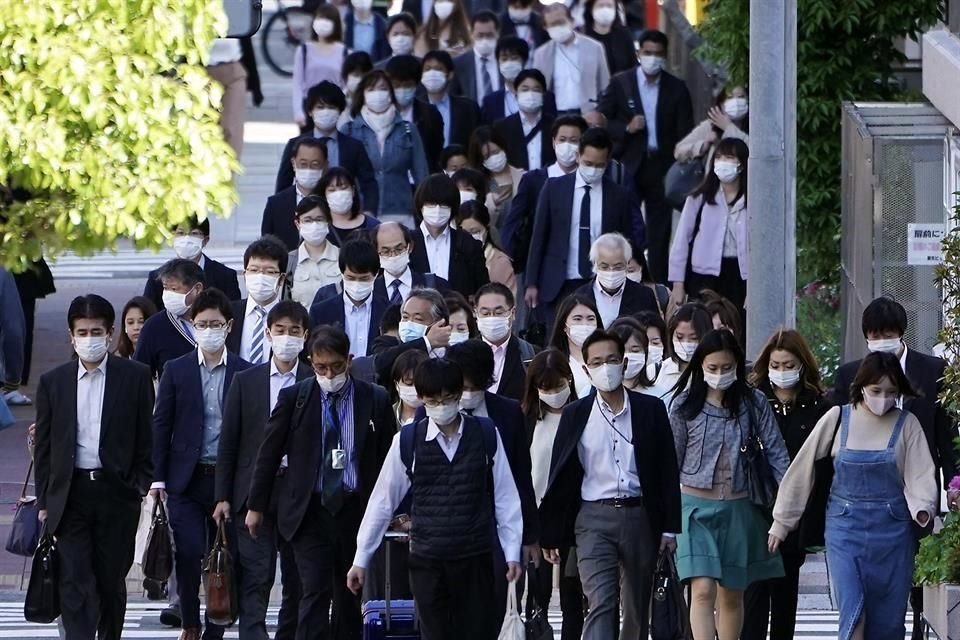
<point>395,297</point>
<point>256,345</point>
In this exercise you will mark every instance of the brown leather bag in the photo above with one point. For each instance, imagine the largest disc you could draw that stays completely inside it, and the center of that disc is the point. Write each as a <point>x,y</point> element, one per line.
<point>221,594</point>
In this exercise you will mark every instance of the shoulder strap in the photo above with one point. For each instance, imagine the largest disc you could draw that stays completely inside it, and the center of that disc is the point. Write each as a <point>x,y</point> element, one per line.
<point>304,53</point>
<point>408,436</point>
<point>527,352</point>
<point>696,223</point>
<point>489,432</point>
<point>303,392</point>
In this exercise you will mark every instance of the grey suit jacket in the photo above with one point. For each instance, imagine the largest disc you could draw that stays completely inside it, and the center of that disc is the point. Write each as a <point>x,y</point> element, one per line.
<point>592,60</point>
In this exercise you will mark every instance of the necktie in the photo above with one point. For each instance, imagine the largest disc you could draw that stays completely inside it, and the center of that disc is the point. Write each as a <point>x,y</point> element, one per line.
<point>485,78</point>
<point>585,233</point>
<point>256,345</point>
<point>331,480</point>
<point>395,297</point>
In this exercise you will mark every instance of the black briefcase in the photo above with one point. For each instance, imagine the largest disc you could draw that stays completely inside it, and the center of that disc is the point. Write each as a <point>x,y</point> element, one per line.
<point>157,564</point>
<point>42,603</point>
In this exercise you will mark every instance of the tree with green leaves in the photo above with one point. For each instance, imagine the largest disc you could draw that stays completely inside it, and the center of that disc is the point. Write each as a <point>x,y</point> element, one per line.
<point>109,124</point>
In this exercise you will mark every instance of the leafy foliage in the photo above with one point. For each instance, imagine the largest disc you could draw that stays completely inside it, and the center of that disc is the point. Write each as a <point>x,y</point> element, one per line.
<point>108,124</point>
<point>845,51</point>
<point>818,307</point>
<point>948,277</point>
<point>938,560</point>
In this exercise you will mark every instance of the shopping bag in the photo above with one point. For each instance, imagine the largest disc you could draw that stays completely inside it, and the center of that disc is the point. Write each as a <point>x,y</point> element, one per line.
<point>157,564</point>
<point>25,531</point>
<point>42,602</point>
<point>218,582</point>
<point>669,618</point>
<point>513,627</point>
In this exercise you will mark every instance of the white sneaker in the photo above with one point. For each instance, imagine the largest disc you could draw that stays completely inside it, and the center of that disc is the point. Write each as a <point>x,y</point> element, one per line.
<point>17,399</point>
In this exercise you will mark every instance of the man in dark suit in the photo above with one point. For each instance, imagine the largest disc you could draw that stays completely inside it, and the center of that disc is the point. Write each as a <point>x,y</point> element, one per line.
<point>365,30</point>
<point>189,239</point>
<point>424,326</point>
<point>571,214</point>
<point>250,400</point>
<point>309,159</point>
<point>512,54</point>
<point>522,21</point>
<point>615,295</point>
<point>335,431</point>
<point>476,72</point>
<point>186,432</point>
<point>451,254</point>
<point>616,499</point>
<point>496,314</point>
<point>323,105</point>
<point>264,271</point>
<point>169,335</point>
<point>93,466</point>
<point>460,115</point>
<point>526,133</point>
<point>405,72</point>
<point>648,112</point>
<point>418,9</point>
<point>394,244</point>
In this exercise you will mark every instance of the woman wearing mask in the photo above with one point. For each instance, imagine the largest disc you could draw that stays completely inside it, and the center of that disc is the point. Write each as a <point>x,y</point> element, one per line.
<point>404,394</point>
<point>315,263</point>
<point>714,415</point>
<point>639,271</point>
<point>710,249</point>
<point>726,119</point>
<point>473,185</point>
<point>393,145</point>
<point>338,188</point>
<point>687,326</point>
<point>601,21</point>
<point>487,154</point>
<point>547,390</point>
<point>656,330</point>
<point>401,34</point>
<point>463,325</point>
<point>786,372</point>
<point>474,218</point>
<point>634,336</point>
<point>577,317</point>
<point>446,29</point>
<point>319,59</point>
<point>135,313</point>
<point>883,483</point>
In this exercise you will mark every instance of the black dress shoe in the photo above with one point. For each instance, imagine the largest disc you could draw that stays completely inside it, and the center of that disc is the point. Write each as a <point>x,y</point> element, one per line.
<point>170,616</point>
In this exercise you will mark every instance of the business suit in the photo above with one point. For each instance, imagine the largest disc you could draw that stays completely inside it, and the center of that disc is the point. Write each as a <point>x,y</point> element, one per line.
<point>514,374</point>
<point>352,157</point>
<point>636,297</point>
<point>625,554</point>
<point>465,76</point>
<point>511,130</point>
<point>429,125</point>
<point>518,225</point>
<point>620,102</point>
<point>594,71</point>
<point>324,541</point>
<point>468,267</point>
<point>216,276</point>
<point>332,312</point>
<point>538,35</point>
<point>34,283</point>
<point>94,518</point>
<point>494,109</point>
<point>386,350</point>
<point>380,47</point>
<point>417,280</point>
<point>464,119</point>
<point>245,412</point>
<point>178,441</point>
<point>278,217</point>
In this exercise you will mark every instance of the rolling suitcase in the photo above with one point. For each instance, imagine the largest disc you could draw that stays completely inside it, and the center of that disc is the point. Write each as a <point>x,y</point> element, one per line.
<point>386,619</point>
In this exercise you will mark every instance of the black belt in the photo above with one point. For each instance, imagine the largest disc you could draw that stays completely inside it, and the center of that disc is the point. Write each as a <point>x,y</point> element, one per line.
<point>620,503</point>
<point>90,474</point>
<point>205,469</point>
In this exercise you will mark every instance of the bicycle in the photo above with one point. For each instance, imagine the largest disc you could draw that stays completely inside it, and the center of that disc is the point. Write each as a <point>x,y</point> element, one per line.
<point>283,34</point>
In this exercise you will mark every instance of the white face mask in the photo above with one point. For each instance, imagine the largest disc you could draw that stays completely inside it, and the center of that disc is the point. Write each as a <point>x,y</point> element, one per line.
<point>377,100</point>
<point>484,46</point>
<point>325,119</point>
<point>395,265</point>
<point>560,33</point>
<point>654,354</point>
<point>470,400</point>
<point>91,348</point>
<point>555,400</point>
<point>434,80</point>
<point>612,280</point>
<point>175,303</point>
<point>635,364</point>
<point>362,5</point>
<point>405,96</point>
<point>286,348</point>
<point>878,405</point>
<point>456,337</point>
<point>496,162</point>
<point>409,330</point>
<point>352,83</point>
<point>736,108</point>
<point>606,377</point>
<point>720,381</point>
<point>494,329</point>
<point>443,9</point>
<point>785,379</point>
<point>479,236</point>
<point>510,69</point>
<point>604,16</point>
<point>636,276</point>
<point>726,170</point>
<point>340,202</point>
<point>580,332</point>
<point>314,232</point>
<point>651,65</point>
<point>187,247</point>
<point>358,290</point>
<point>684,350</point>
<point>591,175</point>
<point>308,178</point>
<point>443,414</point>
<point>519,15</point>
<point>323,27</point>
<point>401,44</point>
<point>261,287</point>
<point>884,345</point>
<point>210,340</point>
<point>566,154</point>
<point>467,196</point>
<point>436,215</point>
<point>408,395</point>
<point>332,385</point>
<point>530,101</point>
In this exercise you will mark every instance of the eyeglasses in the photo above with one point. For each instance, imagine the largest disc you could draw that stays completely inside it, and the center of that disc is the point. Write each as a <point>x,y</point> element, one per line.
<point>615,360</point>
<point>499,312</point>
<point>336,368</point>
<point>254,271</point>
<point>433,403</point>
<point>390,252</point>
<point>209,325</point>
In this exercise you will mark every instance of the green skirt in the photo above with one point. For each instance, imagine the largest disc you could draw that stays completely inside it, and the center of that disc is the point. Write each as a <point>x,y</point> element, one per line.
<point>725,540</point>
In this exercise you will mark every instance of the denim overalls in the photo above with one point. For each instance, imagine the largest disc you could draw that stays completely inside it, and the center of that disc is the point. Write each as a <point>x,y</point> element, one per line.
<point>870,544</point>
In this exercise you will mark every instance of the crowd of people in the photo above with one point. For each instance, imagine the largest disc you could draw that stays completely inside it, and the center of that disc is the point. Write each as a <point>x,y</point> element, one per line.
<point>469,319</point>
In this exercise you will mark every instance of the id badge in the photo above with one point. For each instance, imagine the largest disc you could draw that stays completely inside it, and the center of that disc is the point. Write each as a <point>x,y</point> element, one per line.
<point>338,458</point>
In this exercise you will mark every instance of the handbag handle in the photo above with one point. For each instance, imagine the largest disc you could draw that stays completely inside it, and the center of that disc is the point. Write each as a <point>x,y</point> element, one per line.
<point>158,510</point>
<point>26,481</point>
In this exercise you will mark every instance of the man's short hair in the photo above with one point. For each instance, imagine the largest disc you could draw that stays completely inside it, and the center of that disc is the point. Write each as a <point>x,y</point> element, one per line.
<point>436,377</point>
<point>91,307</point>
<point>514,45</point>
<point>360,256</point>
<point>186,271</point>
<point>438,306</point>
<point>596,138</point>
<point>308,142</point>
<point>325,92</point>
<point>211,299</point>
<point>485,16</point>
<point>267,248</point>
<point>612,241</point>
<point>441,56</point>
<point>329,338</point>
<point>599,336</point>
<point>495,288</point>
<point>405,68</point>
<point>291,310</point>
<point>475,358</point>
<point>884,314</point>
<point>568,120</point>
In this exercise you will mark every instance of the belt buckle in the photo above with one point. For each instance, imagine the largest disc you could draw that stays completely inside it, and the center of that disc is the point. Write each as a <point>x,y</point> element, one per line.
<point>618,503</point>
<point>93,475</point>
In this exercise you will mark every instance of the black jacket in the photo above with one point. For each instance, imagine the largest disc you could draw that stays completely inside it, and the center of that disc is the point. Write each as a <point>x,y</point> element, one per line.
<point>540,35</point>
<point>278,217</point>
<point>429,125</point>
<point>217,276</point>
<point>380,47</point>
<point>514,373</point>
<point>464,118</point>
<point>636,297</point>
<point>511,130</point>
<point>468,268</point>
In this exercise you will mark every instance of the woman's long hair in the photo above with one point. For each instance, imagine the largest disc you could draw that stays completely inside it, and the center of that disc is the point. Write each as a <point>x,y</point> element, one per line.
<point>558,338</point>
<point>692,377</point>
<point>125,346</point>
<point>549,369</point>
<point>788,340</point>
<point>459,27</point>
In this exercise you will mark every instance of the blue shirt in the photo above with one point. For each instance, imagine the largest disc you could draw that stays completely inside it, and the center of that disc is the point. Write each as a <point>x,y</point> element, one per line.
<point>444,108</point>
<point>333,147</point>
<point>649,94</point>
<point>510,105</point>
<point>343,405</point>
<point>211,382</point>
<point>363,35</point>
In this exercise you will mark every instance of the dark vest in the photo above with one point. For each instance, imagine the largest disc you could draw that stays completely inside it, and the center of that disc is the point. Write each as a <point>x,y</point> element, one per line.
<point>451,513</point>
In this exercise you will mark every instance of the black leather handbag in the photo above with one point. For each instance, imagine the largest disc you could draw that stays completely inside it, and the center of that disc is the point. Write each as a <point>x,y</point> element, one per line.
<point>157,564</point>
<point>681,179</point>
<point>42,602</point>
<point>669,618</point>
<point>536,625</point>
<point>761,483</point>
<point>814,520</point>
<point>25,531</point>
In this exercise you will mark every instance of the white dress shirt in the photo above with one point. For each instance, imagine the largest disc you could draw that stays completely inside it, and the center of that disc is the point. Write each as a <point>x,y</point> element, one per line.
<point>251,319</point>
<point>581,381</point>
<point>649,96</point>
<point>393,484</point>
<point>606,453</point>
<point>90,388</point>
<point>555,171</point>
<point>596,222</point>
<point>438,251</point>
<point>492,69</point>
<point>534,146</point>
<point>499,357</point>
<point>608,305</point>
<point>279,381</point>
<point>406,283</point>
<point>541,452</point>
<point>566,75</point>
<point>357,321</point>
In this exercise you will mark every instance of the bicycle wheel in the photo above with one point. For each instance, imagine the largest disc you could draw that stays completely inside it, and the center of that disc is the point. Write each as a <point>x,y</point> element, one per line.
<point>282,35</point>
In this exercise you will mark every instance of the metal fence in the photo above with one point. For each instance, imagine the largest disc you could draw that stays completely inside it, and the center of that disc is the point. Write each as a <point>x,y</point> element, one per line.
<point>893,175</point>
